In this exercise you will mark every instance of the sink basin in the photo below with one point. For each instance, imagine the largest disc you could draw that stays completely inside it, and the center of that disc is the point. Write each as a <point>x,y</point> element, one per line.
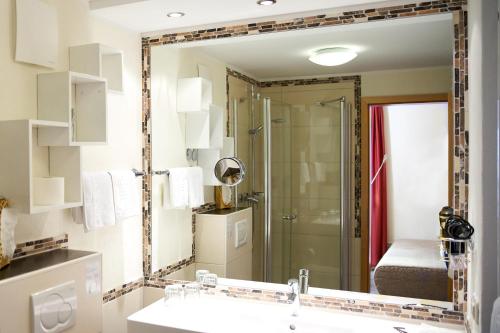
<point>221,314</point>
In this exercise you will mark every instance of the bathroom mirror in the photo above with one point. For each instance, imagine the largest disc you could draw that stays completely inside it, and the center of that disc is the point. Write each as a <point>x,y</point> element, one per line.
<point>230,171</point>
<point>305,165</point>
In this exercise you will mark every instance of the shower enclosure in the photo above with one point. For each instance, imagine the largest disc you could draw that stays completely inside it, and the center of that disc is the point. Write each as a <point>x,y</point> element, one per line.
<point>298,156</point>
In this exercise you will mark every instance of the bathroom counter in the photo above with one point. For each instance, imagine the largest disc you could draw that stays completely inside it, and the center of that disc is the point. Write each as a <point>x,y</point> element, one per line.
<point>226,211</point>
<point>29,264</point>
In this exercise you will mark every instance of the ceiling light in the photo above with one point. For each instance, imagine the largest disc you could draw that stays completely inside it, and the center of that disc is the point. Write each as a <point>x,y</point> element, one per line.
<point>266,2</point>
<point>333,56</point>
<point>175,14</point>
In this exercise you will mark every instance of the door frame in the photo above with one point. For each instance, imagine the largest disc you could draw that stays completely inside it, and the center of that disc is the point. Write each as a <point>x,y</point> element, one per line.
<point>365,164</point>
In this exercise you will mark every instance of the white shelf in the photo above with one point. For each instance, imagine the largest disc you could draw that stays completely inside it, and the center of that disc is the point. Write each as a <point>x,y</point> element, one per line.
<point>98,60</point>
<point>207,158</point>
<point>204,130</point>
<point>25,159</point>
<point>76,99</point>
<point>194,95</point>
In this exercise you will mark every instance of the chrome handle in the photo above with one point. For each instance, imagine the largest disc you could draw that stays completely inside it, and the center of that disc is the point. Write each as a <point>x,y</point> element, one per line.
<point>289,218</point>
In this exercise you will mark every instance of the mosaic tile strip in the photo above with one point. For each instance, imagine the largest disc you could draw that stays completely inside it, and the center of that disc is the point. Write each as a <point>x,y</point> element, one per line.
<point>40,245</point>
<point>122,290</point>
<point>401,311</point>
<point>457,7</point>
<point>309,22</point>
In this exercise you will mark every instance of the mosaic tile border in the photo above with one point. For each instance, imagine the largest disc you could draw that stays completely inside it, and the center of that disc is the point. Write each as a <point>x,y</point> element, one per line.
<point>356,130</point>
<point>460,77</point>
<point>401,311</point>
<point>41,245</point>
<point>122,290</point>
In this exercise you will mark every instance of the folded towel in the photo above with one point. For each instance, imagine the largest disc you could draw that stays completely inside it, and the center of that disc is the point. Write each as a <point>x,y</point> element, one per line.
<point>98,206</point>
<point>178,188</point>
<point>195,185</point>
<point>125,194</point>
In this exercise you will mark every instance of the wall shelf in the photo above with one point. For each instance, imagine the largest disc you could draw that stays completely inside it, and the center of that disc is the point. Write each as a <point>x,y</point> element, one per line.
<point>77,99</point>
<point>26,159</point>
<point>98,60</point>
<point>194,95</point>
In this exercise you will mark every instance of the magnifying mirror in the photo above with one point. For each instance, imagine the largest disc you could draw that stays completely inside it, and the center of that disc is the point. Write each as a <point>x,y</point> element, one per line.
<point>230,171</point>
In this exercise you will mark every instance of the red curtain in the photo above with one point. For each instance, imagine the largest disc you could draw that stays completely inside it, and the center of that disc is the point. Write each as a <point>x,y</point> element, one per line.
<point>378,188</point>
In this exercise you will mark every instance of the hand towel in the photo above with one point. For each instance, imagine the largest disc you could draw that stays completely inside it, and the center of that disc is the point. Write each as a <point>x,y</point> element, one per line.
<point>178,188</point>
<point>98,206</point>
<point>126,198</point>
<point>195,187</point>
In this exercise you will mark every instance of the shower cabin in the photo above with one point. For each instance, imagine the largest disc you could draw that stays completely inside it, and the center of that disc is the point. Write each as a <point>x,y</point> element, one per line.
<point>296,146</point>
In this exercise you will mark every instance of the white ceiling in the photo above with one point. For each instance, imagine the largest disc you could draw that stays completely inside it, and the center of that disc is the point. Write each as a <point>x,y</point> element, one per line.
<point>150,15</point>
<point>409,43</point>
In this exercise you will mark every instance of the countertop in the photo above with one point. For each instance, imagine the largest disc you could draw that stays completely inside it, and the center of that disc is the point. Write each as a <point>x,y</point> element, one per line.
<point>39,261</point>
<point>224,211</point>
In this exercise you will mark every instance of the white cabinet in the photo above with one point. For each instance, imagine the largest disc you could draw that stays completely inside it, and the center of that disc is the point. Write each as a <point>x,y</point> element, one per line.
<point>98,60</point>
<point>77,99</point>
<point>194,95</point>
<point>223,242</point>
<point>207,158</point>
<point>204,130</point>
<point>24,159</point>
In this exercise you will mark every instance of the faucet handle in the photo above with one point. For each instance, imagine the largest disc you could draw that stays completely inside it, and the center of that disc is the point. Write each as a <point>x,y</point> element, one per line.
<point>291,282</point>
<point>294,284</point>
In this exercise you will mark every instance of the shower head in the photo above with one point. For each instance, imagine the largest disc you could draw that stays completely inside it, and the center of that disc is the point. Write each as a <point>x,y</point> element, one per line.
<point>256,130</point>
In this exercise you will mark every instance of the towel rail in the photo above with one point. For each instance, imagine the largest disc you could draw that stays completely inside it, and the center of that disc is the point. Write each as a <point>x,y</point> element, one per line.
<point>142,173</point>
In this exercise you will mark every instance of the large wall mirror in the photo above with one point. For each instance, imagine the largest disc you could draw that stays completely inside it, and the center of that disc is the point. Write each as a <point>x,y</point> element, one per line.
<point>347,166</point>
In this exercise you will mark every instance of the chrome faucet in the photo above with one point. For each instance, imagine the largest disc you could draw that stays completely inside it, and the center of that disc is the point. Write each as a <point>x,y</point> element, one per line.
<point>303,280</point>
<point>294,296</point>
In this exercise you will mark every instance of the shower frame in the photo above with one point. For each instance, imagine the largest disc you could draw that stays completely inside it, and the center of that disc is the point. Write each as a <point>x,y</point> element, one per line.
<point>345,198</point>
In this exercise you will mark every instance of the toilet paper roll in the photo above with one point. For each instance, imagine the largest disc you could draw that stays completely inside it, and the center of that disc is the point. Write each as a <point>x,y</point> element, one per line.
<point>48,191</point>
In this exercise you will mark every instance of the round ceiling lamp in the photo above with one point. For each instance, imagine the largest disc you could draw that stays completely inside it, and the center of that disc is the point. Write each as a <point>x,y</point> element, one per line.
<point>333,56</point>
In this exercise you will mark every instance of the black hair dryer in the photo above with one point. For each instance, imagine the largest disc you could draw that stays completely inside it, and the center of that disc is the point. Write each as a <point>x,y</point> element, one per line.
<point>454,227</point>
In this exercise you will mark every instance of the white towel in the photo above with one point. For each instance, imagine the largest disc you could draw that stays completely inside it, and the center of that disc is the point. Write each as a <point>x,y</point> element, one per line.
<point>125,194</point>
<point>195,184</point>
<point>178,188</point>
<point>8,223</point>
<point>98,206</point>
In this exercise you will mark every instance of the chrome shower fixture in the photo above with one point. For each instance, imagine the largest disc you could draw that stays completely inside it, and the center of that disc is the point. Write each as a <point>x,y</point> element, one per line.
<point>256,130</point>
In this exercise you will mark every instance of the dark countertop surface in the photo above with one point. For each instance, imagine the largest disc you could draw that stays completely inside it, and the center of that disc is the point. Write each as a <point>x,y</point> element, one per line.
<point>39,261</point>
<point>224,211</point>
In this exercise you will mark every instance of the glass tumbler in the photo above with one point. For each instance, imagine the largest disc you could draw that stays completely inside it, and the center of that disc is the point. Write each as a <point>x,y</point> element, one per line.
<point>173,294</point>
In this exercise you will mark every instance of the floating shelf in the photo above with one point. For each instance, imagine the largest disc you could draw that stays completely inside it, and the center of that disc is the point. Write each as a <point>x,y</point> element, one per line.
<point>207,158</point>
<point>25,160</point>
<point>98,60</point>
<point>77,99</point>
<point>204,130</point>
<point>194,95</point>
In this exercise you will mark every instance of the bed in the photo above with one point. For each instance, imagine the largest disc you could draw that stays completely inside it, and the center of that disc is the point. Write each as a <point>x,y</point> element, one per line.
<point>413,268</point>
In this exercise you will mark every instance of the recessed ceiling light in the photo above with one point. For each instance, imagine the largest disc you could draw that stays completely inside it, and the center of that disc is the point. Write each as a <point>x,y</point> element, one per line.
<point>333,56</point>
<point>266,2</point>
<point>176,14</point>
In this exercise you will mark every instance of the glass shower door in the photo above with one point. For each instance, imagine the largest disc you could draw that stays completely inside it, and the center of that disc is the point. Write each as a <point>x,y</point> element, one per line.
<point>306,166</point>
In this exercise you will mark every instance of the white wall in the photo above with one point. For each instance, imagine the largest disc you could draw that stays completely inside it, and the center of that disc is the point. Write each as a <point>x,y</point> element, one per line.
<point>172,232</point>
<point>483,119</point>
<point>120,245</point>
<point>416,138</point>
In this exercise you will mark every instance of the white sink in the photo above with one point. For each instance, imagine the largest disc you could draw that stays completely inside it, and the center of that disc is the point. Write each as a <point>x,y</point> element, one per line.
<point>221,314</point>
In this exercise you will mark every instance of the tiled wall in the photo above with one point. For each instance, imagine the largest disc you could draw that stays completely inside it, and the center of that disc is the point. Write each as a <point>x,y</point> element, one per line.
<point>457,7</point>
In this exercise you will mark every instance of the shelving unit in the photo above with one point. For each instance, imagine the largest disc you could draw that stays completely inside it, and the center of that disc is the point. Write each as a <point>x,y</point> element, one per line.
<point>98,60</point>
<point>26,159</point>
<point>194,95</point>
<point>77,99</point>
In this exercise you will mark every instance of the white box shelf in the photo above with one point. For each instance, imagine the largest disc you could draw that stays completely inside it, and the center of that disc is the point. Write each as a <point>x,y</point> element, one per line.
<point>194,95</point>
<point>98,60</point>
<point>207,158</point>
<point>77,99</point>
<point>204,130</point>
<point>25,159</point>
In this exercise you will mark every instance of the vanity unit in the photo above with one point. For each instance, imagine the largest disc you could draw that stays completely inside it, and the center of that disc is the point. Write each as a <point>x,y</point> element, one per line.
<point>223,242</point>
<point>55,291</point>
